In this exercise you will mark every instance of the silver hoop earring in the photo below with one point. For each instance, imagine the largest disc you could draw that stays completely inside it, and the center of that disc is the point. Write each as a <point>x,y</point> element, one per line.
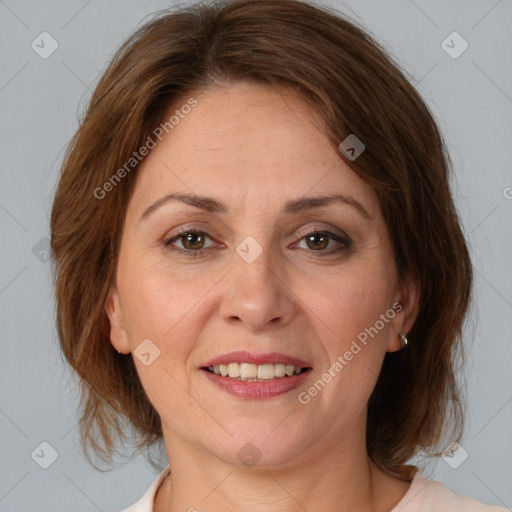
<point>403,339</point>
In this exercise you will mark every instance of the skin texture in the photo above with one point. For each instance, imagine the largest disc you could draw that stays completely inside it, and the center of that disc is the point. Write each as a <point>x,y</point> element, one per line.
<point>254,148</point>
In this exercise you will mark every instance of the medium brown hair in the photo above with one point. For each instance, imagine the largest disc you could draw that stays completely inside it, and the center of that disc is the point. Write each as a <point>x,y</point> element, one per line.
<point>347,77</point>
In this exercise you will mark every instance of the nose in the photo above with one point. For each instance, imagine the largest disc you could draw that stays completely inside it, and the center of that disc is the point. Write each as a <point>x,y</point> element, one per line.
<point>257,294</point>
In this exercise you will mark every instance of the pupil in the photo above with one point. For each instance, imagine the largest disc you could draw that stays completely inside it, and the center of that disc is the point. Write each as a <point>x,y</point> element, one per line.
<point>191,236</point>
<point>318,235</point>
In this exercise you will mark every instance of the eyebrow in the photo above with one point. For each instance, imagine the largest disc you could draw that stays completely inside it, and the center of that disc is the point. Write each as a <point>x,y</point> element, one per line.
<point>293,206</point>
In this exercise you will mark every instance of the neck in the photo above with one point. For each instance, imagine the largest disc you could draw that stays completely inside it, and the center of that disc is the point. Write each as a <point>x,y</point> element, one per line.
<point>336,480</point>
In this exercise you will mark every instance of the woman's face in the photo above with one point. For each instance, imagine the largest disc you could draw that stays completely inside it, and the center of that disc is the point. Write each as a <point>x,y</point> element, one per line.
<point>252,277</point>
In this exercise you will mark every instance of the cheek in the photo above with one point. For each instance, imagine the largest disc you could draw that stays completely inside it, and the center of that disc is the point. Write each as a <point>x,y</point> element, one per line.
<point>167,307</point>
<point>346,311</point>
<point>352,300</point>
<point>160,308</point>
<point>158,299</point>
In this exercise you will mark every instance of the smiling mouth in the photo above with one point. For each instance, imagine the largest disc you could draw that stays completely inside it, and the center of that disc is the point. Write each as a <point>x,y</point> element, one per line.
<point>247,372</point>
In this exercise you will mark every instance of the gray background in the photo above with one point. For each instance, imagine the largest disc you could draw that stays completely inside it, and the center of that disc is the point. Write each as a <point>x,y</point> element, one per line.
<point>40,100</point>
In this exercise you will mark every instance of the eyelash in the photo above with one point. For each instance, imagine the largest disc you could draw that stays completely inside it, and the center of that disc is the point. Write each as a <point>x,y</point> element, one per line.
<point>344,240</point>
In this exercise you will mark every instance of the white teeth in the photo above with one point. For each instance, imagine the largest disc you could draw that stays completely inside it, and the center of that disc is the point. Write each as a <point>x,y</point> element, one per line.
<point>254,372</point>
<point>266,371</point>
<point>234,370</point>
<point>249,371</point>
<point>280,370</point>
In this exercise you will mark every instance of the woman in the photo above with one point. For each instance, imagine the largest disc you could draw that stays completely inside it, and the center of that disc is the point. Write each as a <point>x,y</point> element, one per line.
<point>258,262</point>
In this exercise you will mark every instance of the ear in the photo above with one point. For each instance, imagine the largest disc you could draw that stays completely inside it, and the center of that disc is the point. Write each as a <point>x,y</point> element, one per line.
<point>406,306</point>
<point>118,333</point>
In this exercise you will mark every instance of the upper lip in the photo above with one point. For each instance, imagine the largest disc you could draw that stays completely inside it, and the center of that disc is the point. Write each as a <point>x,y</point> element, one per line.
<point>242,356</point>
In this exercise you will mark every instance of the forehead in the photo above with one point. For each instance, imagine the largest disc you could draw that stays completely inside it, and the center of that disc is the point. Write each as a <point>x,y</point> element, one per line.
<point>247,141</point>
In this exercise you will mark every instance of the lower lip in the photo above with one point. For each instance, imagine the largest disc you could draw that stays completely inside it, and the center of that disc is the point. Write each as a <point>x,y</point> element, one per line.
<point>257,390</point>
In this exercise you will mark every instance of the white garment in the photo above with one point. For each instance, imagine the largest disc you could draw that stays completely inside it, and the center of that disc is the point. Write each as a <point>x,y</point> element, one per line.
<point>145,504</point>
<point>423,496</point>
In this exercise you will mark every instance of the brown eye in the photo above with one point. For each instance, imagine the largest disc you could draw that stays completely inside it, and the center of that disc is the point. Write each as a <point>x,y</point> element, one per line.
<point>192,242</point>
<point>318,241</point>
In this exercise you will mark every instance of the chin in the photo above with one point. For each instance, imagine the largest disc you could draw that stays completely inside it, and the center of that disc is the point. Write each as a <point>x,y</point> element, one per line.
<point>259,448</point>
